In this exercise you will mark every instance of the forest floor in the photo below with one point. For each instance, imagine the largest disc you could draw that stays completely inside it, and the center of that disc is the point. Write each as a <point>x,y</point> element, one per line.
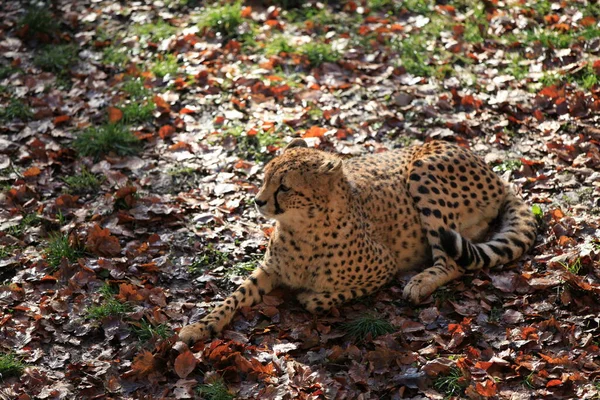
<point>133,136</point>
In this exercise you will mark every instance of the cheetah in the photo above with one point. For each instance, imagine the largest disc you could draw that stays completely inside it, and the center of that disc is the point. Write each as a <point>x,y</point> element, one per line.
<point>346,227</point>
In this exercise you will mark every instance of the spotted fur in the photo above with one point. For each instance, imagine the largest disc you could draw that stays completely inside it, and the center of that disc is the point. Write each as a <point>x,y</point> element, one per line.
<point>344,228</point>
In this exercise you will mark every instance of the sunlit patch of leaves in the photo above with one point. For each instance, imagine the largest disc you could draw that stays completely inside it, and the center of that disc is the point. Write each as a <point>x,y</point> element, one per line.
<point>56,58</point>
<point>451,384</point>
<point>317,53</point>
<point>15,110</point>
<point>167,65</point>
<point>367,325</point>
<point>538,213</point>
<point>224,20</point>
<point>39,20</point>
<point>507,165</point>
<point>10,365</point>
<point>145,331</point>
<point>157,30</point>
<point>216,390</point>
<point>100,140</point>
<point>85,182</point>
<point>59,246</point>
<point>138,112</point>
<point>28,220</point>
<point>109,307</point>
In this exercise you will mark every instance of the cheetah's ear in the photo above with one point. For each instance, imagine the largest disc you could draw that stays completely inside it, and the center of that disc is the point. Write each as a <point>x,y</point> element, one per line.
<point>297,142</point>
<point>331,166</point>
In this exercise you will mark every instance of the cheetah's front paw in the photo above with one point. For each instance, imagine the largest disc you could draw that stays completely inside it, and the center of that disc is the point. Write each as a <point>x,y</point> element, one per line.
<point>315,302</point>
<point>419,288</point>
<point>191,334</point>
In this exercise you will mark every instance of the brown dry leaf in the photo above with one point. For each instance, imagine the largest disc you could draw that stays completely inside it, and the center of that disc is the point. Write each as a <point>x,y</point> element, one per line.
<point>114,115</point>
<point>185,364</point>
<point>102,243</point>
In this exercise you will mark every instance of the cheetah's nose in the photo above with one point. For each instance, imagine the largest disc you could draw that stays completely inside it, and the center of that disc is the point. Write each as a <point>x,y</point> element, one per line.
<point>258,202</point>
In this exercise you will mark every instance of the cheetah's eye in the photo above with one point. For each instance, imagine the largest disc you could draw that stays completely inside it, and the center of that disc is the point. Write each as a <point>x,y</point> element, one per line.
<point>283,188</point>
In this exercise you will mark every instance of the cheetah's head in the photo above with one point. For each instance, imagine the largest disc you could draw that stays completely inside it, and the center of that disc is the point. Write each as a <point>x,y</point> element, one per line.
<point>298,183</point>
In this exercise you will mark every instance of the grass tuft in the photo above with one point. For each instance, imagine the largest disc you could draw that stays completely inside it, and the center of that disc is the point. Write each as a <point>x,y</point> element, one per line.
<point>367,325</point>
<point>210,258</point>
<point>15,110</point>
<point>138,112</point>
<point>39,20</point>
<point>318,53</point>
<point>27,221</point>
<point>223,20</point>
<point>156,31</point>
<point>10,365</point>
<point>56,58</point>
<point>111,307</point>
<point>215,391</point>
<point>146,331</point>
<point>165,66</point>
<point>59,247</point>
<point>97,141</point>
<point>135,89</point>
<point>279,45</point>
<point>451,384</point>
<point>85,182</point>
<point>115,56</point>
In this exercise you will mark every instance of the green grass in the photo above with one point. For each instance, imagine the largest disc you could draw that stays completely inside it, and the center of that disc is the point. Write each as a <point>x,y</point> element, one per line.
<point>365,325</point>
<point>85,182</point>
<point>146,331</point>
<point>56,58</point>
<point>10,365</point>
<point>318,53</point>
<point>138,112</point>
<point>157,30</point>
<point>253,147</point>
<point>6,251</point>
<point>550,78</point>
<point>39,20</point>
<point>224,20</point>
<point>451,384</point>
<point>110,307</point>
<point>165,66</point>
<point>549,39</point>
<point>216,390</point>
<point>135,89</point>
<point>210,258</point>
<point>59,247</point>
<point>97,141</point>
<point>507,165</point>
<point>15,110</point>
<point>115,55</point>
<point>279,44</point>
<point>7,70</point>
<point>537,212</point>
<point>415,56</point>
<point>574,267</point>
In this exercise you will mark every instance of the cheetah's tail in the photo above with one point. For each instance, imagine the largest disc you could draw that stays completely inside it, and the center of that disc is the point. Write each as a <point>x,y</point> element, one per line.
<point>515,236</point>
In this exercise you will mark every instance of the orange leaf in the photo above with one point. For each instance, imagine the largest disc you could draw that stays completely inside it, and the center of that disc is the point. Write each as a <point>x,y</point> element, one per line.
<point>185,364</point>
<point>31,172</point>
<point>128,292</point>
<point>588,21</point>
<point>246,11</point>
<point>162,105</point>
<point>219,120</point>
<point>101,242</point>
<point>114,115</point>
<point>538,115</point>
<point>314,131</point>
<point>487,389</point>
<point>166,131</point>
<point>143,364</point>
<point>397,28</point>
<point>554,382</point>
<point>180,146</point>
<point>60,119</point>
<point>186,110</point>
